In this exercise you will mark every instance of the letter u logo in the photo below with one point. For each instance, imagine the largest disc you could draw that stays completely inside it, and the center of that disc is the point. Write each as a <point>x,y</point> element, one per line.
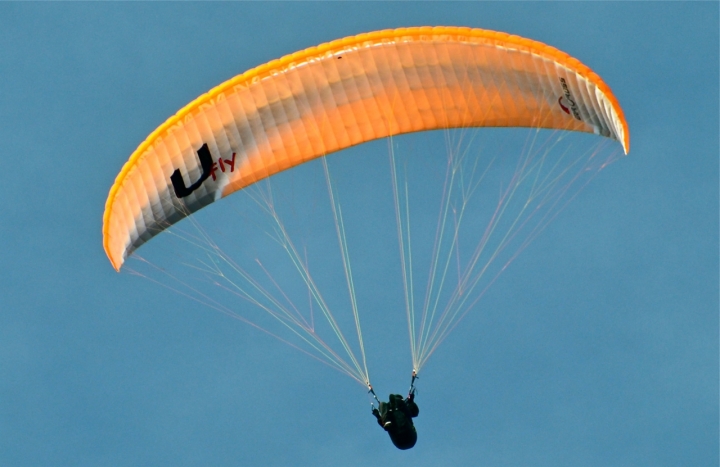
<point>181,191</point>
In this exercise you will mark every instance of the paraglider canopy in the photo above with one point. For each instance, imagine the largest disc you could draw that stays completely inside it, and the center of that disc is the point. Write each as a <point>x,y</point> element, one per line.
<point>327,98</point>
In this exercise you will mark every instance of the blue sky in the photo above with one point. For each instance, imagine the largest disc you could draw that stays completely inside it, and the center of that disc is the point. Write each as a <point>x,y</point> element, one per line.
<point>598,346</point>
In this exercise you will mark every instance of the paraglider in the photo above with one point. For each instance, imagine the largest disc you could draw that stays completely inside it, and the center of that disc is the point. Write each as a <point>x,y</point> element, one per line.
<point>395,417</point>
<point>324,99</point>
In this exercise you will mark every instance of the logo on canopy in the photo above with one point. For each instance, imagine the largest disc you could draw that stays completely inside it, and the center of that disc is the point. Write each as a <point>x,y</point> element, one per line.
<point>208,169</point>
<point>571,105</point>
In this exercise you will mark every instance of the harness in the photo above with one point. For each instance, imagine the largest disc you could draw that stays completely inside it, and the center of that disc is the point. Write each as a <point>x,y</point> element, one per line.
<point>411,391</point>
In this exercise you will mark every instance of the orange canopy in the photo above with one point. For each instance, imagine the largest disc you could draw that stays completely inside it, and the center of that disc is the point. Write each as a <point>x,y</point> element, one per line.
<point>327,98</point>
